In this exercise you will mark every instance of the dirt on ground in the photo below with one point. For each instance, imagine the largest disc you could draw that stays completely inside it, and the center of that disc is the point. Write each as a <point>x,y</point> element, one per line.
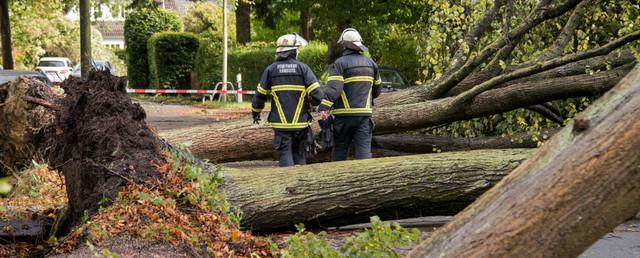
<point>102,141</point>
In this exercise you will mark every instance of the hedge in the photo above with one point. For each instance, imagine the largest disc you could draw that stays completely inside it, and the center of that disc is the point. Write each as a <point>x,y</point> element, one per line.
<point>171,59</point>
<point>138,28</point>
<point>250,60</point>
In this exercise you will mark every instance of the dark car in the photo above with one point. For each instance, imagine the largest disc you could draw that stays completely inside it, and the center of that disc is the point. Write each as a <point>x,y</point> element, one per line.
<point>98,65</point>
<point>392,79</point>
<point>10,75</point>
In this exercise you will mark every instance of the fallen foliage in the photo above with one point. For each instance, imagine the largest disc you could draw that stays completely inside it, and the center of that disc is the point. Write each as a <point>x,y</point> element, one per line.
<point>181,207</point>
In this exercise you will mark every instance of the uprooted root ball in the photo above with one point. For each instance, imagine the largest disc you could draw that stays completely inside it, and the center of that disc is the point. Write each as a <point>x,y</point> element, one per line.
<point>23,125</point>
<point>102,142</point>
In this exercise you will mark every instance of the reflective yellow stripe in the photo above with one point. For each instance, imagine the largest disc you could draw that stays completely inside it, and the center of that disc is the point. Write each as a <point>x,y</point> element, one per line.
<point>256,110</point>
<point>288,87</point>
<point>312,87</point>
<point>262,90</point>
<point>359,79</point>
<point>368,104</point>
<point>377,82</point>
<point>336,78</point>
<point>326,103</point>
<point>288,125</point>
<point>344,111</point>
<point>280,111</point>
<point>296,116</point>
<point>345,100</point>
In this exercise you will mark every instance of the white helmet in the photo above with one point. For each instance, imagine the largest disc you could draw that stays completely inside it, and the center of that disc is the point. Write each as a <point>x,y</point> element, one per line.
<point>290,42</point>
<point>352,36</point>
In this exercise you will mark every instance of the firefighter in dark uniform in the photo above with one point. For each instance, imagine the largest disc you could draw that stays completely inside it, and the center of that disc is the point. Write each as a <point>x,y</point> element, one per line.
<point>353,84</point>
<point>291,85</point>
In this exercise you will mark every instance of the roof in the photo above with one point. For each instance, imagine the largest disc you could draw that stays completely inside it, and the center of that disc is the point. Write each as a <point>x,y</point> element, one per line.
<point>111,29</point>
<point>54,59</point>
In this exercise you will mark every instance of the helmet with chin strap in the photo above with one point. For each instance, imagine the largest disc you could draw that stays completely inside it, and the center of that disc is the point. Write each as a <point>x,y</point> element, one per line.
<point>290,42</point>
<point>350,38</point>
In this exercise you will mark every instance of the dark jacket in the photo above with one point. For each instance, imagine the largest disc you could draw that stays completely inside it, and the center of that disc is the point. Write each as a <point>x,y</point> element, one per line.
<point>289,82</point>
<point>353,84</point>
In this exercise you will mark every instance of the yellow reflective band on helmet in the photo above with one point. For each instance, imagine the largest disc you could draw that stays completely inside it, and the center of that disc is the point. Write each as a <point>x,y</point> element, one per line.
<point>326,103</point>
<point>262,90</point>
<point>346,111</point>
<point>296,116</point>
<point>312,87</point>
<point>359,79</point>
<point>336,78</point>
<point>280,111</point>
<point>288,87</point>
<point>288,125</point>
<point>377,82</point>
<point>256,110</point>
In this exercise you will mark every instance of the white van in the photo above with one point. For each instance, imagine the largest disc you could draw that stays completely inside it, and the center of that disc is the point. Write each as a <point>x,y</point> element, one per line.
<point>56,68</point>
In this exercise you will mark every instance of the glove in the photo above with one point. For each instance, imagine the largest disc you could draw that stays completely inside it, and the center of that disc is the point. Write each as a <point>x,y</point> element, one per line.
<point>256,117</point>
<point>324,115</point>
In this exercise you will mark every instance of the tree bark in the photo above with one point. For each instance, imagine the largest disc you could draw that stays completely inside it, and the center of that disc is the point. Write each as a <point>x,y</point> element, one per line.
<point>243,22</point>
<point>5,30</point>
<point>306,24</point>
<point>429,143</point>
<point>214,142</point>
<point>579,186</point>
<point>85,37</point>
<point>281,197</point>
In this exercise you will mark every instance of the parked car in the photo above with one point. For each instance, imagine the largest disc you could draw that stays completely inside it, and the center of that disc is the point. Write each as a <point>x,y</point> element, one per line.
<point>10,75</point>
<point>392,79</point>
<point>56,68</point>
<point>100,65</point>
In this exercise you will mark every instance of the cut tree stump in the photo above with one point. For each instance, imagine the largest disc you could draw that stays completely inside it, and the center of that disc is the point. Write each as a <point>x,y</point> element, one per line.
<point>580,185</point>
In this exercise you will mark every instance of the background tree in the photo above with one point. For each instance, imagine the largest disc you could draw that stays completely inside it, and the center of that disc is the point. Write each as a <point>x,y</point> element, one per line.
<point>243,22</point>
<point>5,30</point>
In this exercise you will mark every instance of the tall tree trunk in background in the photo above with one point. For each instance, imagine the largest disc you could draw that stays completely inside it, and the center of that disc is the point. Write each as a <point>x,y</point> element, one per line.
<point>263,13</point>
<point>5,30</point>
<point>243,22</point>
<point>572,191</point>
<point>85,37</point>
<point>306,24</point>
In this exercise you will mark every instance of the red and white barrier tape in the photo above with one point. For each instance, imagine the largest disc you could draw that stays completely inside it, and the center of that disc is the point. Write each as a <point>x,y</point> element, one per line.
<point>175,91</point>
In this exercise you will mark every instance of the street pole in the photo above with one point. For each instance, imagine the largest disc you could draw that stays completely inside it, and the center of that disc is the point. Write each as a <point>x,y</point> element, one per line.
<point>224,48</point>
<point>85,37</point>
<point>5,30</point>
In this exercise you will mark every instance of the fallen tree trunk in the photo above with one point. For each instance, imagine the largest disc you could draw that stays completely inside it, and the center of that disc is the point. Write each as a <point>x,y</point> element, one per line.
<point>579,186</point>
<point>241,141</point>
<point>321,193</point>
<point>420,143</point>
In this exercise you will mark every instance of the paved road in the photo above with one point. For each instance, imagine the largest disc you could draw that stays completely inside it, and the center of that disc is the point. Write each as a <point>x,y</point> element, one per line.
<point>624,242</point>
<point>166,117</point>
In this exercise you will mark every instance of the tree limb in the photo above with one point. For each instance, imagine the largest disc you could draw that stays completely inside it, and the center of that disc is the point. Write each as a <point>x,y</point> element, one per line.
<point>567,33</point>
<point>553,63</point>
<point>540,13</point>
<point>472,37</point>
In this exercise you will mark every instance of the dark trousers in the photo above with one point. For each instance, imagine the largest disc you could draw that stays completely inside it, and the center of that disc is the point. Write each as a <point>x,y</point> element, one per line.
<point>290,146</point>
<point>352,129</point>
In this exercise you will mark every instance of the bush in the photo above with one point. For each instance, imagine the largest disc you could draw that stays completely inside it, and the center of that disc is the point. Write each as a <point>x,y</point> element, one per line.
<point>171,59</point>
<point>314,56</point>
<point>400,50</point>
<point>250,60</point>
<point>138,28</point>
